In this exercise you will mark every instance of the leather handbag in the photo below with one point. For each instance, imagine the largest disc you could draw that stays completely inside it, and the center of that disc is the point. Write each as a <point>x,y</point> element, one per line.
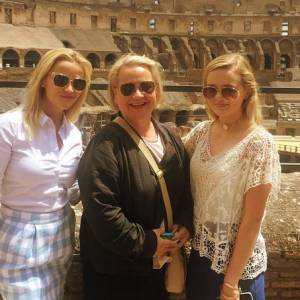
<point>176,269</point>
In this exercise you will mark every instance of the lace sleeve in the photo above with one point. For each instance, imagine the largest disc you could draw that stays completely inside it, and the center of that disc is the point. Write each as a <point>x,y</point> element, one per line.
<point>264,164</point>
<point>192,138</point>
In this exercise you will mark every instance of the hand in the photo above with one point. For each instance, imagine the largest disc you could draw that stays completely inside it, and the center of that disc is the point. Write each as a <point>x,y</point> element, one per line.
<point>229,292</point>
<point>163,245</point>
<point>181,236</point>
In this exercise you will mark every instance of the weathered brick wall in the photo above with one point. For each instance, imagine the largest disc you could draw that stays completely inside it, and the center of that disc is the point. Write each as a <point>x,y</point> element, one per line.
<point>283,277</point>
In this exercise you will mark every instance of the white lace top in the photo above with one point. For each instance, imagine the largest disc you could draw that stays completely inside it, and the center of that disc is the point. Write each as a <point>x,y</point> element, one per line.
<point>219,184</point>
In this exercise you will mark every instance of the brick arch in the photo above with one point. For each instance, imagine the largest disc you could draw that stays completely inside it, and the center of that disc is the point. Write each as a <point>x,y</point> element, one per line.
<point>232,45</point>
<point>251,52</point>
<point>214,46</point>
<point>197,49</point>
<point>137,45</point>
<point>286,51</point>
<point>31,58</point>
<point>94,59</point>
<point>11,58</point>
<point>109,60</point>
<point>158,44</point>
<point>269,54</point>
<point>179,52</point>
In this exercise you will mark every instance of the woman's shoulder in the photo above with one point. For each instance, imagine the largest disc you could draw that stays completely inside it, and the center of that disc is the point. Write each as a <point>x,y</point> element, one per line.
<point>203,125</point>
<point>262,136</point>
<point>261,142</point>
<point>11,119</point>
<point>199,130</point>
<point>110,135</point>
<point>12,116</point>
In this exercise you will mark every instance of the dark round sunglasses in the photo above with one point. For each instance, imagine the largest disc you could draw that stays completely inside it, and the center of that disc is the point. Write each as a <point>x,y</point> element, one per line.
<point>62,80</point>
<point>227,92</point>
<point>144,87</point>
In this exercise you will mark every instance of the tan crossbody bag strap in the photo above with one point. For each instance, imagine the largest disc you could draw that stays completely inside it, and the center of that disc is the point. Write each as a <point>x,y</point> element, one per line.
<point>158,172</point>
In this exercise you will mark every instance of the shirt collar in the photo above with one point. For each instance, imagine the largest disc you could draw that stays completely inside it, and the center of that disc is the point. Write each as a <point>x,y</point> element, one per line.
<point>44,119</point>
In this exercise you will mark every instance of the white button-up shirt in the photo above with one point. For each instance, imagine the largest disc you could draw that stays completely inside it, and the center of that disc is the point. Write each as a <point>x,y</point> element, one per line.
<point>35,175</point>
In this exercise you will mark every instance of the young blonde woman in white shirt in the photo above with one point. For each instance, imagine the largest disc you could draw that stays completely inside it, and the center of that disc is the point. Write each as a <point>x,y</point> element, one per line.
<point>234,171</point>
<point>40,149</point>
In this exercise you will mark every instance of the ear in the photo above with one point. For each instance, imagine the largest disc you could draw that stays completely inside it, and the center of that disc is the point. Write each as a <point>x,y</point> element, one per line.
<point>43,82</point>
<point>114,93</point>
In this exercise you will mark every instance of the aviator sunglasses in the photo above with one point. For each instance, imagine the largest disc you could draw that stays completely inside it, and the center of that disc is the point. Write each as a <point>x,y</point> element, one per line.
<point>144,87</point>
<point>62,80</point>
<point>227,92</point>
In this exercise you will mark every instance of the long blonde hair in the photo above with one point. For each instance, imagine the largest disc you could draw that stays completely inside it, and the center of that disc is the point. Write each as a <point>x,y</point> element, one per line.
<point>251,105</point>
<point>134,60</point>
<point>34,90</point>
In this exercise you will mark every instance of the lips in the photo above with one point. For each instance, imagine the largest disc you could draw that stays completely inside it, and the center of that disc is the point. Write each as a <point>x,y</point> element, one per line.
<point>221,105</point>
<point>68,97</point>
<point>138,104</point>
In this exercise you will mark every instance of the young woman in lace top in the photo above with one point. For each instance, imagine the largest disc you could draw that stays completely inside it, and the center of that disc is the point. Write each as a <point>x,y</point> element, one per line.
<point>234,171</point>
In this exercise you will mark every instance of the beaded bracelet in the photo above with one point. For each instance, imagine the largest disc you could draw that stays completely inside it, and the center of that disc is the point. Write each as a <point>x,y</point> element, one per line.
<point>230,286</point>
<point>229,298</point>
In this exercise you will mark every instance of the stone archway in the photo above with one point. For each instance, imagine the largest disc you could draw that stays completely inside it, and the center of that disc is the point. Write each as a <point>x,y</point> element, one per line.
<point>109,60</point>
<point>137,45</point>
<point>179,53</point>
<point>94,60</point>
<point>10,58</point>
<point>198,55</point>
<point>287,57</point>
<point>285,61</point>
<point>214,47</point>
<point>31,58</point>
<point>268,48</point>
<point>232,45</point>
<point>251,52</point>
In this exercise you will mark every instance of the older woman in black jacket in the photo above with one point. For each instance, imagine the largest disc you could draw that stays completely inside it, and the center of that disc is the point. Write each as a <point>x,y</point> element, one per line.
<point>123,209</point>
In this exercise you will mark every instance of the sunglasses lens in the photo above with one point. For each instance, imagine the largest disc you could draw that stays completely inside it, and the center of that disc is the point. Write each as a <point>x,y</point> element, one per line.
<point>127,89</point>
<point>209,92</point>
<point>60,80</point>
<point>229,92</point>
<point>79,84</point>
<point>147,86</point>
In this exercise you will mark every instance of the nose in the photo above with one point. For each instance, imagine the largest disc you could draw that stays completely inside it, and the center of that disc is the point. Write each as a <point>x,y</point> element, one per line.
<point>219,95</point>
<point>69,87</point>
<point>137,92</point>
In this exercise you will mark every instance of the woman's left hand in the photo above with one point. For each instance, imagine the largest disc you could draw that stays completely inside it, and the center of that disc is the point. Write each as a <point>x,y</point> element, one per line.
<point>181,236</point>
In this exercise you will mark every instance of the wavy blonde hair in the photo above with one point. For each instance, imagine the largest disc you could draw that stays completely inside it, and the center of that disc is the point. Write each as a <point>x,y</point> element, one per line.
<point>251,105</point>
<point>34,91</point>
<point>134,60</point>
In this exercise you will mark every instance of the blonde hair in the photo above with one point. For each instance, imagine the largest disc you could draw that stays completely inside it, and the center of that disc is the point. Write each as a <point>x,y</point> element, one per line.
<point>34,91</point>
<point>251,105</point>
<point>134,60</point>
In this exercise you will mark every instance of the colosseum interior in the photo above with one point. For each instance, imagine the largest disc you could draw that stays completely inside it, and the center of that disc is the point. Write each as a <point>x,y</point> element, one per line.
<point>183,36</point>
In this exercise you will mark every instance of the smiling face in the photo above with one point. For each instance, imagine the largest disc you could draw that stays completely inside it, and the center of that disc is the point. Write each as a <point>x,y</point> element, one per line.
<point>58,99</point>
<point>228,108</point>
<point>139,105</point>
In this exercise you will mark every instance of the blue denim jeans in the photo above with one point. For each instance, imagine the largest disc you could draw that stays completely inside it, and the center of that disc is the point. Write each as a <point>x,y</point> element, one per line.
<point>203,283</point>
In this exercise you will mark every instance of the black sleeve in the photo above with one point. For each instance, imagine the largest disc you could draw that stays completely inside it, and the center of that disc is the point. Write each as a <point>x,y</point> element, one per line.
<point>100,172</point>
<point>183,214</point>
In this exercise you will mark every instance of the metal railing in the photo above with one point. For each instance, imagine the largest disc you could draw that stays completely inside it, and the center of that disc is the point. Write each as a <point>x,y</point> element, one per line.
<point>288,148</point>
<point>168,88</point>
